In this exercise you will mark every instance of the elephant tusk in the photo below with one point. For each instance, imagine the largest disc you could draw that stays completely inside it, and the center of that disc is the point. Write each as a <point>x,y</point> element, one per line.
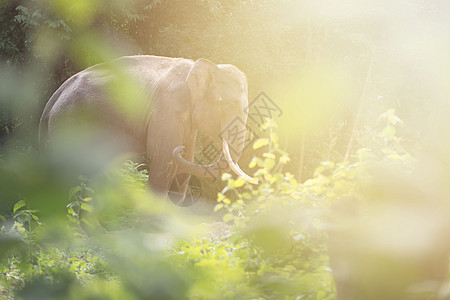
<point>234,166</point>
<point>178,151</point>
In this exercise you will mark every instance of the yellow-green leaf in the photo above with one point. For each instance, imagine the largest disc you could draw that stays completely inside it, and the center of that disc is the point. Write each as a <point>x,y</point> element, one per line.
<point>269,155</point>
<point>284,159</point>
<point>239,182</point>
<point>19,205</point>
<point>269,163</point>
<point>246,196</point>
<point>220,197</point>
<point>87,207</point>
<point>260,143</point>
<point>226,176</point>
<point>218,207</point>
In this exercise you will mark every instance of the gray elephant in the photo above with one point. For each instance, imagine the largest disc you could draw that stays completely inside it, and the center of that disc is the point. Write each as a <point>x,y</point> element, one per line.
<point>149,105</point>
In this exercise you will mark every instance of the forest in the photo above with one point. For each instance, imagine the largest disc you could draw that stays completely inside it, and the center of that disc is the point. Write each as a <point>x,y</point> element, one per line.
<point>346,136</point>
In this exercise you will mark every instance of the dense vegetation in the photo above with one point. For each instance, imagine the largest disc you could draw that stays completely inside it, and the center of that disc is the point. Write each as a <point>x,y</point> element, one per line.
<point>353,173</point>
<point>272,244</point>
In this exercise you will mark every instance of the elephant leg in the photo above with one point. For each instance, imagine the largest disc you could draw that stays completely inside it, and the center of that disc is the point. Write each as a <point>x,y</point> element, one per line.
<point>161,176</point>
<point>178,188</point>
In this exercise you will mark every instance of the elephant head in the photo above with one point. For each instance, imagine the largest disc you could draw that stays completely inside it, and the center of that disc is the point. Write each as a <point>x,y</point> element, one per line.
<point>219,98</point>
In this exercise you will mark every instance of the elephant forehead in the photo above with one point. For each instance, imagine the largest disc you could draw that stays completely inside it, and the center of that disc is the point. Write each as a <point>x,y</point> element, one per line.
<point>228,88</point>
<point>231,75</point>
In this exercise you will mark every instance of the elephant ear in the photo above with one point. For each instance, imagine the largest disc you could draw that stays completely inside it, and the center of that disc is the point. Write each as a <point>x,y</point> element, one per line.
<point>199,78</point>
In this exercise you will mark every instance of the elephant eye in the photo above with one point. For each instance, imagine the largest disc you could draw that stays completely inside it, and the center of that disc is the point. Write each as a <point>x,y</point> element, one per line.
<point>219,101</point>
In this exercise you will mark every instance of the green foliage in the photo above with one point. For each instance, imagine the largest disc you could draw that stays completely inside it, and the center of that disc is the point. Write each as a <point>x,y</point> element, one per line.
<point>273,243</point>
<point>26,217</point>
<point>80,197</point>
<point>281,222</point>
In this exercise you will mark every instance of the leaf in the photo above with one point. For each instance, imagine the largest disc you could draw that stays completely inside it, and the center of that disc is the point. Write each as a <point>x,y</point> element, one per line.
<point>74,191</point>
<point>320,295</point>
<point>389,132</point>
<point>228,217</point>
<point>284,159</point>
<point>36,14</point>
<point>19,205</point>
<point>153,4</point>
<point>218,207</point>
<point>72,204</point>
<point>260,143</point>
<point>226,176</point>
<point>220,197</point>
<point>239,182</point>
<point>87,207</point>
<point>269,155</point>
<point>22,217</point>
<point>269,163</point>
<point>89,190</point>
<point>246,196</point>
<point>393,119</point>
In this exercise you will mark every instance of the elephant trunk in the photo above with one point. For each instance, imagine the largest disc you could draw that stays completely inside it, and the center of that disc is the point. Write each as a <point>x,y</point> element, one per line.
<point>223,163</point>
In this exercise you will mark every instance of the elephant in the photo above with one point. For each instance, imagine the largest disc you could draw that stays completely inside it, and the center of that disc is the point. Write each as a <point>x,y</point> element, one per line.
<point>149,105</point>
